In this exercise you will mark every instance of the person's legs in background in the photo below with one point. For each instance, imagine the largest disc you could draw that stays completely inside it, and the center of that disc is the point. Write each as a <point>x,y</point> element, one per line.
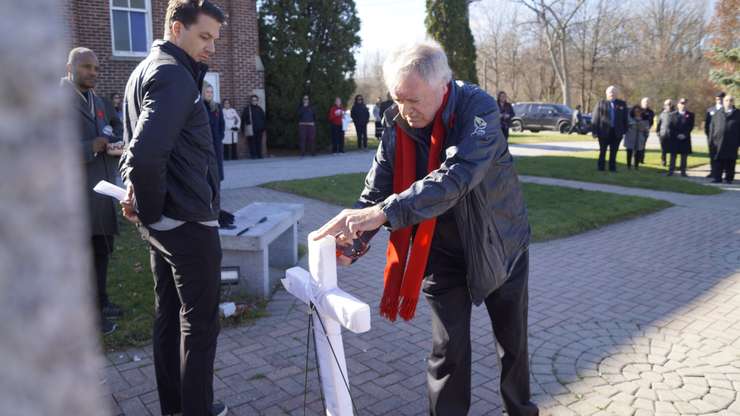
<point>311,139</point>
<point>603,146</point>
<point>613,149</point>
<point>730,174</point>
<point>672,164</point>
<point>629,159</point>
<point>302,135</point>
<point>639,158</point>
<point>252,141</point>
<point>336,131</point>
<point>102,246</point>
<point>684,157</point>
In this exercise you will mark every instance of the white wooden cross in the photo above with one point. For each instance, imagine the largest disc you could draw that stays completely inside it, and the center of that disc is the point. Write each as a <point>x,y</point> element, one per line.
<point>337,309</point>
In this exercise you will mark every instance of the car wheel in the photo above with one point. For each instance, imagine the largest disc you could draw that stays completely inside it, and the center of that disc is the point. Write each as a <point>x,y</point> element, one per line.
<point>564,127</point>
<point>516,126</point>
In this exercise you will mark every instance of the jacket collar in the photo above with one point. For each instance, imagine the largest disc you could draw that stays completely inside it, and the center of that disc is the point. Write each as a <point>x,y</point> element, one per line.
<point>197,69</point>
<point>85,105</point>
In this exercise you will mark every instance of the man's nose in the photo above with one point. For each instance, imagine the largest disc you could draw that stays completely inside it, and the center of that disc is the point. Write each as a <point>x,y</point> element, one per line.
<point>211,47</point>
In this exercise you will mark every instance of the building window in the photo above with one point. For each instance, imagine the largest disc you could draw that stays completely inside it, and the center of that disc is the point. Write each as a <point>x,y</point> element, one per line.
<point>131,27</point>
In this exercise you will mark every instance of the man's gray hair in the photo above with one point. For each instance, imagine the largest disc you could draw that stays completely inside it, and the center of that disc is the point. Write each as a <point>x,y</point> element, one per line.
<point>427,59</point>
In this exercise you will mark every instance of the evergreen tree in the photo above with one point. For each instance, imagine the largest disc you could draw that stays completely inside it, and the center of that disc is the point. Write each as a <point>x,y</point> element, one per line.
<point>307,48</point>
<point>448,23</point>
<point>725,54</point>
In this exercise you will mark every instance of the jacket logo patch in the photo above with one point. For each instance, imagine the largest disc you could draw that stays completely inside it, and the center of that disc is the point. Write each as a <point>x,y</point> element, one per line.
<point>197,99</point>
<point>480,126</point>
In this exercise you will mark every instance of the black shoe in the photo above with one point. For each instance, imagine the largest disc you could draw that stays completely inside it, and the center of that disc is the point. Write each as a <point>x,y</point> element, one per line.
<point>219,409</point>
<point>684,174</point>
<point>729,181</point>
<point>709,175</point>
<point>716,181</point>
<point>107,327</point>
<point>613,170</point>
<point>600,169</point>
<point>111,310</point>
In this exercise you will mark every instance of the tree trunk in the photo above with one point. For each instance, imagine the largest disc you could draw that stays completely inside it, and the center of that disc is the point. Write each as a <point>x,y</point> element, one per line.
<point>48,343</point>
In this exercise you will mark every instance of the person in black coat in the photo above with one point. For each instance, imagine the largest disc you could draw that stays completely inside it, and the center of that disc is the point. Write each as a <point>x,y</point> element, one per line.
<point>724,134</point>
<point>708,122</point>
<point>218,127</point>
<point>679,142</point>
<point>95,135</point>
<point>253,126</point>
<point>360,117</point>
<point>609,123</point>
<point>507,113</point>
<point>647,114</point>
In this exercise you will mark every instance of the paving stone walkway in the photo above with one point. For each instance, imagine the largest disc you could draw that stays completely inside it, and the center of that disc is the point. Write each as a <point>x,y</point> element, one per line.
<point>636,318</point>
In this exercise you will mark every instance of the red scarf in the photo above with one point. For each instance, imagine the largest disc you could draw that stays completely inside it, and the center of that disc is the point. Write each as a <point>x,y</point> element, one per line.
<point>403,272</point>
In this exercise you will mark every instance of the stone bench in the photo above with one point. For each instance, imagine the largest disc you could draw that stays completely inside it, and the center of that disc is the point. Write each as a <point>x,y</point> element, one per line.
<point>273,242</point>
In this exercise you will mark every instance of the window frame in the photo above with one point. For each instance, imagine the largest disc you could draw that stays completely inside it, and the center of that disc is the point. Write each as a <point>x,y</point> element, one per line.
<point>147,22</point>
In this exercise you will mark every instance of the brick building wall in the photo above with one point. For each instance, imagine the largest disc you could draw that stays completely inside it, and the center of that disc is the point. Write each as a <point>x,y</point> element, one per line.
<point>236,56</point>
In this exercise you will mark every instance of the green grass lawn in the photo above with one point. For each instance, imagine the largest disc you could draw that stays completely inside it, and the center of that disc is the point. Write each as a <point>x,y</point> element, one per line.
<point>554,211</point>
<point>131,286</point>
<point>581,166</point>
<point>546,137</point>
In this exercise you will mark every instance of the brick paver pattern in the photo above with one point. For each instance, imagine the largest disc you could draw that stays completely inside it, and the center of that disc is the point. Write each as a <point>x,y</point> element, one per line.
<point>637,318</point>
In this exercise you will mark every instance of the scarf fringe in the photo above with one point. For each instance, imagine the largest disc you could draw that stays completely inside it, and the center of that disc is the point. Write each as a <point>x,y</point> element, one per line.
<point>408,307</point>
<point>389,307</point>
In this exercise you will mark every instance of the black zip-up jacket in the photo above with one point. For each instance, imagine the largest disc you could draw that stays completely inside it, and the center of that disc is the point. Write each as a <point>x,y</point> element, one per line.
<point>476,184</point>
<point>170,158</point>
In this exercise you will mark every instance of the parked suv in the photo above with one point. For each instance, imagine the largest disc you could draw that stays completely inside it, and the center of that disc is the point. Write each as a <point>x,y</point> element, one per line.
<point>545,116</point>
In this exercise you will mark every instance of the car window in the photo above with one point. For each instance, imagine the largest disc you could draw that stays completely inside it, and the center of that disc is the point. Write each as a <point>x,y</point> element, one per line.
<point>520,108</point>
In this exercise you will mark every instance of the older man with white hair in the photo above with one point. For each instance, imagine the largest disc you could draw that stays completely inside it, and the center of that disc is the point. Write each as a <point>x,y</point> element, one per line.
<point>610,120</point>
<point>443,182</point>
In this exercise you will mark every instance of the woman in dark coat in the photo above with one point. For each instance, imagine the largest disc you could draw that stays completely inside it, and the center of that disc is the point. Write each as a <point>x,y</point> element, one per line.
<point>218,127</point>
<point>360,117</point>
<point>680,141</point>
<point>507,113</point>
<point>724,136</point>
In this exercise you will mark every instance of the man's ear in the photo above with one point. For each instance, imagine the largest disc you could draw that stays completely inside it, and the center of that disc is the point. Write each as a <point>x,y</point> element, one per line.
<point>176,29</point>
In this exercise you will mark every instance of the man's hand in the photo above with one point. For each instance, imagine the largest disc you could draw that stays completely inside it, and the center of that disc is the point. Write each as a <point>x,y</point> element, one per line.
<point>346,226</point>
<point>100,144</point>
<point>127,206</point>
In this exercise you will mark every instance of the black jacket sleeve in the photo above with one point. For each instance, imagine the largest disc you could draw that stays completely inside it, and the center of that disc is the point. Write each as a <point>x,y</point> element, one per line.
<point>166,105</point>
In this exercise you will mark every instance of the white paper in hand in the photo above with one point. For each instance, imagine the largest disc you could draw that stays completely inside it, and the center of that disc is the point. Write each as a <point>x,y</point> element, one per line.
<point>107,188</point>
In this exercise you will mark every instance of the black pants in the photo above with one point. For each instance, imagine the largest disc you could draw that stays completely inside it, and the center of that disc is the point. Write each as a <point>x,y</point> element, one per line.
<point>186,263</point>
<point>449,364</point>
<point>726,166</point>
<point>255,145</point>
<point>672,164</point>
<point>361,135</point>
<point>230,152</point>
<point>337,139</point>
<point>505,130</point>
<point>712,163</point>
<point>639,156</point>
<point>610,142</point>
<point>102,246</point>
<point>378,130</point>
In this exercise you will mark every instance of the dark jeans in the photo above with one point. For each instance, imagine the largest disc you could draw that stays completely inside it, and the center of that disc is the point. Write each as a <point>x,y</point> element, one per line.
<point>610,142</point>
<point>307,139</point>
<point>186,263</point>
<point>102,246</point>
<point>255,145</point>
<point>449,364</point>
<point>672,165</point>
<point>726,166</point>
<point>361,135</point>
<point>337,139</point>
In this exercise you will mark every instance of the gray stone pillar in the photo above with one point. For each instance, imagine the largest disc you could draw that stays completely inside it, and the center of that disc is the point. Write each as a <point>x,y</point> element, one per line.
<point>49,357</point>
